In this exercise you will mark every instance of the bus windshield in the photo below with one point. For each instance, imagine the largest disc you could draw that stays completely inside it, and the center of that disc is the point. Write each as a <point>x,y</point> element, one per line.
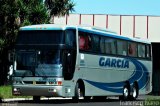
<point>38,63</point>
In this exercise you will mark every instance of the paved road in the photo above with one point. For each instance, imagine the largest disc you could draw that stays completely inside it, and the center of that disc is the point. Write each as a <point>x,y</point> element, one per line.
<point>64,103</point>
<point>69,102</point>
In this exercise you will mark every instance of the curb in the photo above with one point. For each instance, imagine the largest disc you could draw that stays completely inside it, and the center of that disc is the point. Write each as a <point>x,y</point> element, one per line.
<point>23,99</point>
<point>15,99</point>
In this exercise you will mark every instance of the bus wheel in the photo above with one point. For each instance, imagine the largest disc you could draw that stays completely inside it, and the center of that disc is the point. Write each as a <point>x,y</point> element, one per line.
<point>126,92</point>
<point>99,98</point>
<point>36,98</point>
<point>78,92</point>
<point>135,91</point>
<point>87,98</point>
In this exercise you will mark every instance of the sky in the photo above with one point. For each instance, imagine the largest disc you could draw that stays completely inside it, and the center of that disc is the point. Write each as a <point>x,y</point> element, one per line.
<point>118,7</point>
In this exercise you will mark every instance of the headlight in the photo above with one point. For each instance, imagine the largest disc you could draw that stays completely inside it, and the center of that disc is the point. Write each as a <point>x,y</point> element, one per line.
<point>16,91</point>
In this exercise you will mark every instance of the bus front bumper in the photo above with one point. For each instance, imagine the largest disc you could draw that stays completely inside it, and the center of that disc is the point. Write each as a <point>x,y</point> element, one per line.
<point>37,90</point>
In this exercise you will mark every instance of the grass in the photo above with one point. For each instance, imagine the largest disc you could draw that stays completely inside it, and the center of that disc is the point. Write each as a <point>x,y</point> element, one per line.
<point>6,92</point>
<point>151,102</point>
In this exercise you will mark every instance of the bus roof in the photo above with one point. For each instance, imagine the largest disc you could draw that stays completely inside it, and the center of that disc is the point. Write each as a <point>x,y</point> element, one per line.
<point>43,27</point>
<point>91,29</point>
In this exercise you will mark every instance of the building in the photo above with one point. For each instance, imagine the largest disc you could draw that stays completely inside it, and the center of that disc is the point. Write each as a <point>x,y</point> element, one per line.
<point>145,27</point>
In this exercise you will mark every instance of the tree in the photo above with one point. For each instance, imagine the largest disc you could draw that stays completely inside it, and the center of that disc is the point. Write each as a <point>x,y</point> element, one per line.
<point>13,14</point>
<point>59,7</point>
<point>16,13</point>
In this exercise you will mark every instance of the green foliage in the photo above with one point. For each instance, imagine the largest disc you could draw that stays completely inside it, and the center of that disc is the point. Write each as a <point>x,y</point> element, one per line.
<point>59,7</point>
<point>39,14</point>
<point>16,13</point>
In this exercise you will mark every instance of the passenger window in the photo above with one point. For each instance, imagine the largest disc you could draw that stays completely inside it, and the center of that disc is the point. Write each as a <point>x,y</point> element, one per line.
<point>113,46</point>
<point>84,41</point>
<point>95,43</point>
<point>121,47</point>
<point>148,51</point>
<point>141,50</point>
<point>102,46</point>
<point>81,42</point>
<point>132,49</point>
<point>110,47</point>
<point>108,43</point>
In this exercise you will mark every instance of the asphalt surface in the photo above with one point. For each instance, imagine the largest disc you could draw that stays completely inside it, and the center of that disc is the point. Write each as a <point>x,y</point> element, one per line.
<point>63,103</point>
<point>110,101</point>
<point>113,101</point>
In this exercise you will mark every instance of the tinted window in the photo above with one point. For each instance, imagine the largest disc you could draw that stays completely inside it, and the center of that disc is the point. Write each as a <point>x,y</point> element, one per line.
<point>110,46</point>
<point>132,49</point>
<point>70,38</point>
<point>95,43</point>
<point>121,47</point>
<point>148,51</point>
<point>40,37</point>
<point>141,50</point>
<point>84,41</point>
<point>102,46</point>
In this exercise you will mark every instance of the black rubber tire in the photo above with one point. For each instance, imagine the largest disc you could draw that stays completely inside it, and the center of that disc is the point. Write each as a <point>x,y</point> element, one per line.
<point>99,98</point>
<point>135,92</point>
<point>36,98</point>
<point>126,92</point>
<point>87,98</point>
<point>78,93</point>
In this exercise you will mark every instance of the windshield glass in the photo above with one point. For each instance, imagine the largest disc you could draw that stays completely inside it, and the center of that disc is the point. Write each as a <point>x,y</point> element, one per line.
<point>38,63</point>
<point>25,60</point>
<point>39,37</point>
<point>49,57</point>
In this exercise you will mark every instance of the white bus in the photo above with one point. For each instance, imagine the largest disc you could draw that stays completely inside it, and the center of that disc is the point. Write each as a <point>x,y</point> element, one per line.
<point>78,61</point>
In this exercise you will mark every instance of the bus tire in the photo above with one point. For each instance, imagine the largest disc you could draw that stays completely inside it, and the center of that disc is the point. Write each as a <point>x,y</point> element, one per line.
<point>99,98</point>
<point>36,98</point>
<point>135,91</point>
<point>78,93</point>
<point>87,98</point>
<point>126,92</point>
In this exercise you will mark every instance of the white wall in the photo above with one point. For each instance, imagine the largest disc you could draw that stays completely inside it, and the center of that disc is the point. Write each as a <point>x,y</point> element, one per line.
<point>59,20</point>
<point>141,27</point>
<point>100,21</point>
<point>154,29</point>
<point>147,27</point>
<point>114,23</point>
<point>87,20</point>
<point>73,19</point>
<point>127,26</point>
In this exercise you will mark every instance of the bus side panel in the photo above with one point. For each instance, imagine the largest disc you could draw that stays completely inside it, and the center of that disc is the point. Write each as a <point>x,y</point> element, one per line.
<point>104,75</point>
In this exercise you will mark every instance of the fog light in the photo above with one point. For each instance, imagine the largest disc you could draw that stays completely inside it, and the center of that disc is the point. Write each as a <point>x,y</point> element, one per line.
<point>55,90</point>
<point>16,91</point>
<point>69,90</point>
